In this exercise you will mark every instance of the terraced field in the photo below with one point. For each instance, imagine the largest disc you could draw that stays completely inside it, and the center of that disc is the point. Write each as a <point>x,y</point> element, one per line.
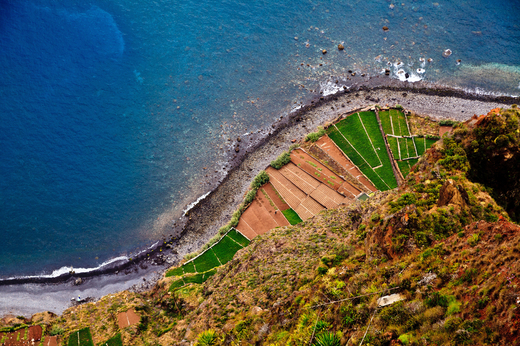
<point>359,137</point>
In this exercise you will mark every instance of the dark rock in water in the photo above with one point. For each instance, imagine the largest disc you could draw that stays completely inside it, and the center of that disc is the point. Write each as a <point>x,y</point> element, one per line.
<point>340,46</point>
<point>385,28</point>
<point>239,139</point>
<point>324,51</point>
<point>407,75</point>
<point>446,53</point>
<point>387,72</point>
<point>237,149</point>
<point>78,281</point>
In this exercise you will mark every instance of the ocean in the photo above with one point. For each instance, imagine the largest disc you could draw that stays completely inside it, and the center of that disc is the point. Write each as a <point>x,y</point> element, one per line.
<point>113,112</point>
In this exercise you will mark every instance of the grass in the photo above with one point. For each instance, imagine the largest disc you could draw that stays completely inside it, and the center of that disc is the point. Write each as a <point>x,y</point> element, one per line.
<point>291,216</point>
<point>114,341</point>
<point>385,122</point>
<point>411,147</point>
<point>419,143</point>
<point>238,237</point>
<point>226,249</point>
<point>405,166</point>
<point>354,132</point>
<point>198,278</point>
<point>356,158</point>
<point>206,261</point>
<point>399,121</point>
<point>84,338</point>
<point>430,142</point>
<point>392,142</point>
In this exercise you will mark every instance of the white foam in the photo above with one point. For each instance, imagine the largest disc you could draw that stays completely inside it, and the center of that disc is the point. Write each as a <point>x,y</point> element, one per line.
<point>330,88</point>
<point>66,270</point>
<point>400,74</point>
<point>191,205</point>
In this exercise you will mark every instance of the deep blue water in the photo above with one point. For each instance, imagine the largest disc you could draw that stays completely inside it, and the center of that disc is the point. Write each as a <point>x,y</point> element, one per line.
<point>110,109</point>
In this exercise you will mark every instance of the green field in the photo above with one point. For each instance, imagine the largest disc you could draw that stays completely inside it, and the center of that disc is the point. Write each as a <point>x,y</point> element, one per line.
<point>202,267</point>
<point>392,142</point>
<point>361,148</point>
<point>385,122</point>
<point>238,237</point>
<point>226,249</point>
<point>399,122</point>
<point>206,261</point>
<point>114,341</point>
<point>354,132</point>
<point>405,166</point>
<point>291,216</point>
<point>81,338</point>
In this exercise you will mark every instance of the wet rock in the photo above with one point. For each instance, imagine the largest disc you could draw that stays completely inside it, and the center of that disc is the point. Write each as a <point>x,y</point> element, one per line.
<point>407,75</point>
<point>78,281</point>
<point>387,72</point>
<point>239,139</point>
<point>385,28</point>
<point>324,51</point>
<point>340,46</point>
<point>237,149</point>
<point>446,53</point>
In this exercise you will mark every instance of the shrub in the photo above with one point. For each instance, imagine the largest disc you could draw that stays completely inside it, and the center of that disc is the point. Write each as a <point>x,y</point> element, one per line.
<point>250,196</point>
<point>314,136</point>
<point>207,338</point>
<point>327,339</point>
<point>282,160</point>
<point>260,179</point>
<point>56,330</point>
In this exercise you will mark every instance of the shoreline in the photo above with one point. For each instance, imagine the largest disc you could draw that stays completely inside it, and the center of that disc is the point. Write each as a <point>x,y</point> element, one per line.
<point>24,294</point>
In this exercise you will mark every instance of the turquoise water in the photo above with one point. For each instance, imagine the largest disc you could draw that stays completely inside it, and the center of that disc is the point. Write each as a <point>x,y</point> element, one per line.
<point>111,109</point>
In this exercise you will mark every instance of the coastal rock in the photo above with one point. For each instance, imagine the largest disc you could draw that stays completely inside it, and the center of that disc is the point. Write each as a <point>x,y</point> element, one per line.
<point>340,46</point>
<point>385,28</point>
<point>324,51</point>
<point>446,53</point>
<point>78,281</point>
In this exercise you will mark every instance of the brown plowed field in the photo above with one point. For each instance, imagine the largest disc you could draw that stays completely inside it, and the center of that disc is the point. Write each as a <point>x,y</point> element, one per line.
<point>276,215</point>
<point>303,212</point>
<point>51,341</point>
<point>253,221</point>
<point>245,229</point>
<point>315,169</point>
<point>348,190</point>
<point>127,318</point>
<point>331,194</point>
<point>290,193</point>
<point>443,129</point>
<point>299,177</point>
<point>323,199</point>
<point>327,145</point>
<point>267,221</point>
<point>312,205</point>
<point>273,194</point>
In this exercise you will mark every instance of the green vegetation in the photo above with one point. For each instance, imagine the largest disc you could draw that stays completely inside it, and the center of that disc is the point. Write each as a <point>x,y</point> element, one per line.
<point>364,156</point>
<point>260,179</point>
<point>114,341</point>
<point>226,249</point>
<point>238,237</point>
<point>206,261</point>
<point>282,160</point>
<point>291,216</point>
<point>81,338</point>
<point>314,136</point>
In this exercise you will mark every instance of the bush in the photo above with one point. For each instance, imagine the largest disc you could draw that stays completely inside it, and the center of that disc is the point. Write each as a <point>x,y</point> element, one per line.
<point>56,330</point>
<point>314,136</point>
<point>260,179</point>
<point>282,160</point>
<point>327,339</point>
<point>250,196</point>
<point>207,338</point>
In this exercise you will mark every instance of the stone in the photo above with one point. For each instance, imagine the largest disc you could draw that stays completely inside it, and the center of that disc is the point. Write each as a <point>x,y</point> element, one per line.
<point>324,51</point>
<point>385,28</point>
<point>446,53</point>
<point>78,281</point>
<point>239,139</point>
<point>340,46</point>
<point>388,300</point>
<point>407,75</point>
<point>387,72</point>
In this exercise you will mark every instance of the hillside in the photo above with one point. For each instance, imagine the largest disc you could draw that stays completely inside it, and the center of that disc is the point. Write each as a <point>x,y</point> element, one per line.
<point>440,246</point>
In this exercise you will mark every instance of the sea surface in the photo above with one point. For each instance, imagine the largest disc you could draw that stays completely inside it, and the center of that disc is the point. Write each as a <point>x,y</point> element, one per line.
<point>113,112</point>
